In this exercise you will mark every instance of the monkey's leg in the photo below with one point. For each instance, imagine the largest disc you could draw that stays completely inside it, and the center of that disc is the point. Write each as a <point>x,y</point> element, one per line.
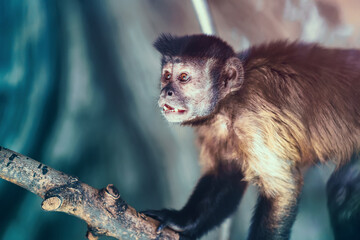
<point>274,216</point>
<point>215,197</point>
<point>343,193</point>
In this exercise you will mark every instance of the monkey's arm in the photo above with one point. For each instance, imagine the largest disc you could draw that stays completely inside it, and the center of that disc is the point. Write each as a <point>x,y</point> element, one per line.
<point>215,197</point>
<point>274,215</point>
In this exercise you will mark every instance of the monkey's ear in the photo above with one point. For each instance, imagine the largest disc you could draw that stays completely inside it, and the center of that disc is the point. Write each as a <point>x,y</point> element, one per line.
<point>233,74</point>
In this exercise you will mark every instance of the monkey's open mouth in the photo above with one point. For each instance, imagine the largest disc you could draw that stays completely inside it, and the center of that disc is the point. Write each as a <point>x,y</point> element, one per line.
<point>169,109</point>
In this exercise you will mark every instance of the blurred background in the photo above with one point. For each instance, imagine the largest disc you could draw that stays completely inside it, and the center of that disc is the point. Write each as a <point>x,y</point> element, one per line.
<point>79,81</point>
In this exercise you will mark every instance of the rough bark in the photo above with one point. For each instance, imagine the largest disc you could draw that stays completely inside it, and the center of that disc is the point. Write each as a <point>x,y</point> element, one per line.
<point>105,212</point>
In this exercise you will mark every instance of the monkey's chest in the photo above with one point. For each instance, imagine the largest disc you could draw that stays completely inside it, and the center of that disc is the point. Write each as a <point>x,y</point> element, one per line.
<point>247,145</point>
<point>218,143</point>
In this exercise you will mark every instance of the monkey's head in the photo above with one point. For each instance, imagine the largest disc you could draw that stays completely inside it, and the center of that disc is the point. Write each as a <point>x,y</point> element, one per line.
<point>198,71</point>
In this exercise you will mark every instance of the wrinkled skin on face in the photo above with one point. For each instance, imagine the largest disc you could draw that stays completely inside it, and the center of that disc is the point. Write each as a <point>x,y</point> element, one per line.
<point>186,89</point>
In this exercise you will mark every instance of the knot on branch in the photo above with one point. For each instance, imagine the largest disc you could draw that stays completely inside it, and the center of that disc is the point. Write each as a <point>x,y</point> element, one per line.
<point>111,191</point>
<point>64,197</point>
<point>114,204</point>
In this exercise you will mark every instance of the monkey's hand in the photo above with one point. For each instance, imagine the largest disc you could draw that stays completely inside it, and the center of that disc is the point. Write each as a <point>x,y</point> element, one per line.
<point>215,197</point>
<point>173,219</point>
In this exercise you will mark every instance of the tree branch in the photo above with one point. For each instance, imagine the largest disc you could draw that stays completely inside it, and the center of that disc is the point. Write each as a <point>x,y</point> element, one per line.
<point>105,212</point>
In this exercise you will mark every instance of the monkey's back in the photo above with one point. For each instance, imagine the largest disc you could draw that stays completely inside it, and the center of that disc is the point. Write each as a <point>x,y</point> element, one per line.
<point>311,93</point>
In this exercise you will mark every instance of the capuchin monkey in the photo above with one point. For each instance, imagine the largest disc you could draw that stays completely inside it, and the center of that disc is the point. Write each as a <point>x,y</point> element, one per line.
<point>262,116</point>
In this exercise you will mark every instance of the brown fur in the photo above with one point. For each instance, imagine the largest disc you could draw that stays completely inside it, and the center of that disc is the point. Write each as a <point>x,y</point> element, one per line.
<point>299,104</point>
<point>261,116</point>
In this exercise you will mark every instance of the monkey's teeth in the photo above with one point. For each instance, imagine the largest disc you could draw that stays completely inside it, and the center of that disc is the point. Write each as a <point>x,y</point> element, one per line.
<point>169,109</point>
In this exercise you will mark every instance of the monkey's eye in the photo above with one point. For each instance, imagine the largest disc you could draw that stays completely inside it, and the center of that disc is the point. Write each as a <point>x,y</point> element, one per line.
<point>167,75</point>
<point>184,77</point>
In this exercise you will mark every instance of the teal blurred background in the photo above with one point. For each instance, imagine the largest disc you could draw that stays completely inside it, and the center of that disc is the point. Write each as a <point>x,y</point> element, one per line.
<point>79,81</point>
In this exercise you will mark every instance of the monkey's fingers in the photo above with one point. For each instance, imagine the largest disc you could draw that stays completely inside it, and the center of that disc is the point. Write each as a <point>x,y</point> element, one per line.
<point>159,215</point>
<point>155,214</point>
<point>167,218</point>
<point>161,227</point>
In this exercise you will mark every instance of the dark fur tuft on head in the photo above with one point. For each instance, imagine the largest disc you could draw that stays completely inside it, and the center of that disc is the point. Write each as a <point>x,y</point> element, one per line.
<point>201,46</point>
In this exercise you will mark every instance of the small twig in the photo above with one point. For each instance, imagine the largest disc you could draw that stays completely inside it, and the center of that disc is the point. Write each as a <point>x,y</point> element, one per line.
<point>105,212</point>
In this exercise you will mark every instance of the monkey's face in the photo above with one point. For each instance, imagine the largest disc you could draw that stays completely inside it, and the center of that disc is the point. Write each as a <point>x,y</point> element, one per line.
<point>186,90</point>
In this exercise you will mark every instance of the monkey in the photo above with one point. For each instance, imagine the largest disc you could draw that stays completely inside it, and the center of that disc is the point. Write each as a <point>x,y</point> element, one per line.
<point>343,200</point>
<point>262,116</point>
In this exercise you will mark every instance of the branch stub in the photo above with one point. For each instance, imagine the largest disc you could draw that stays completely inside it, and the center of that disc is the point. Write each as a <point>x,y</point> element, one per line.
<point>112,191</point>
<point>51,204</point>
